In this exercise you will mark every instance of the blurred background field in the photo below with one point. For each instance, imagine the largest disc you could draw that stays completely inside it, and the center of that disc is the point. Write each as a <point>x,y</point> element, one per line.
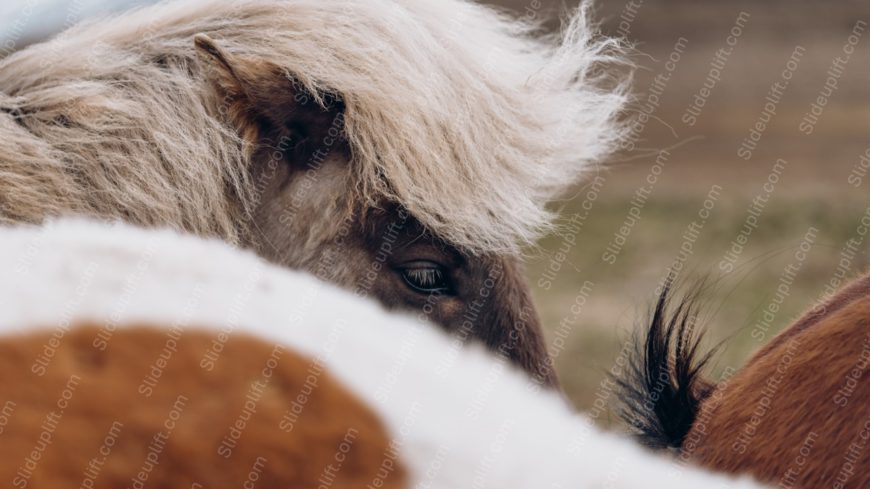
<point>813,191</point>
<point>588,324</point>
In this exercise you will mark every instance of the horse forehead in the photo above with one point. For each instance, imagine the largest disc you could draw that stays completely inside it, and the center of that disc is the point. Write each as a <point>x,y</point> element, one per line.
<point>318,185</point>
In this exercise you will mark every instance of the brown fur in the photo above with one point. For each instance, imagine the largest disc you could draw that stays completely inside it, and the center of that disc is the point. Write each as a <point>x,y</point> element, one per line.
<point>810,434</point>
<point>858,289</point>
<point>109,390</point>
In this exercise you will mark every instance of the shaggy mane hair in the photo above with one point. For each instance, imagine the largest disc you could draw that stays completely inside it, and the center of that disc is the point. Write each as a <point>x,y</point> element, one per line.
<point>470,118</point>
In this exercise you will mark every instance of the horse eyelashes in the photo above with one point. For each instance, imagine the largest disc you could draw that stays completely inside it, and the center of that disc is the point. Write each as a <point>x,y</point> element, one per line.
<point>427,277</point>
<point>427,280</point>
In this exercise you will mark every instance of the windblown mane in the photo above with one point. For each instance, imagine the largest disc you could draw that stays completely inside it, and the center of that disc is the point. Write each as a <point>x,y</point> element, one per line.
<point>470,118</point>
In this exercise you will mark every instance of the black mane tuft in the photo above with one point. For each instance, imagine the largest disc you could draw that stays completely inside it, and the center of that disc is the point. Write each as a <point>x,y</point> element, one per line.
<point>661,388</point>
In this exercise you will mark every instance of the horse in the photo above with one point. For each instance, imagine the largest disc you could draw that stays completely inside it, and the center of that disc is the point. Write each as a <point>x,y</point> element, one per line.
<point>796,415</point>
<point>401,149</point>
<point>186,375</point>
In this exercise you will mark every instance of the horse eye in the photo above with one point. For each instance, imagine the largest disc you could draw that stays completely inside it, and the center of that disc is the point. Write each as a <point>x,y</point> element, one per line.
<point>426,277</point>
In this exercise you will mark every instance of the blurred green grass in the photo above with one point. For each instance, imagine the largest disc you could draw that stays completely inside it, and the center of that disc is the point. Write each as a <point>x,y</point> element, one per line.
<point>623,293</point>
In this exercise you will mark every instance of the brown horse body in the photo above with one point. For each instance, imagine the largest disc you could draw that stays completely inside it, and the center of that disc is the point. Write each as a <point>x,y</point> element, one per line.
<point>797,415</point>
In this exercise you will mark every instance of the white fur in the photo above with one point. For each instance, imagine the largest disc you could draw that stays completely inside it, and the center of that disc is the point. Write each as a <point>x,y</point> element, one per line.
<point>463,418</point>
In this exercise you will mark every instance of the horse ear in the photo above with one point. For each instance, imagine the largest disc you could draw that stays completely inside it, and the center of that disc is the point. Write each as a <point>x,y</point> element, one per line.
<point>250,87</point>
<point>222,69</point>
<point>234,81</point>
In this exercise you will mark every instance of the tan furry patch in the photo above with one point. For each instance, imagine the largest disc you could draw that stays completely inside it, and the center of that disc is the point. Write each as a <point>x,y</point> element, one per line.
<point>166,408</point>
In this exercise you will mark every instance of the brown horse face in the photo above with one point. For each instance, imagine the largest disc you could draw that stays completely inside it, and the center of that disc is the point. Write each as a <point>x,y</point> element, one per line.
<point>303,220</point>
<point>388,256</point>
